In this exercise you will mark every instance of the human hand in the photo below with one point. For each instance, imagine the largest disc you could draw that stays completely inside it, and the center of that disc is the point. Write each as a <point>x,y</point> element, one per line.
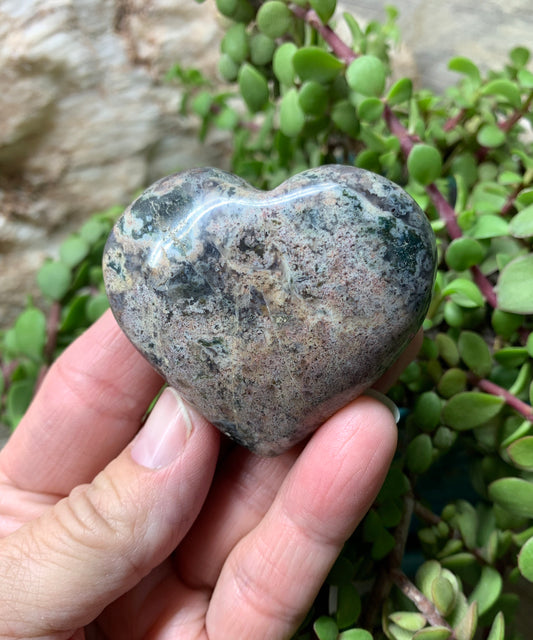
<point>105,533</point>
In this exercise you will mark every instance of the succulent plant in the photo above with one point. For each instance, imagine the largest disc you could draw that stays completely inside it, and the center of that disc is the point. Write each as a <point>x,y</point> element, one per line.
<point>452,528</point>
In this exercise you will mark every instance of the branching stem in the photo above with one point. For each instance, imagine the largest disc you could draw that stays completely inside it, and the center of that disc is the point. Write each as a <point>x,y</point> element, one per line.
<point>338,46</point>
<point>384,581</point>
<point>515,403</point>
<point>407,141</point>
<point>507,125</point>
<point>423,604</point>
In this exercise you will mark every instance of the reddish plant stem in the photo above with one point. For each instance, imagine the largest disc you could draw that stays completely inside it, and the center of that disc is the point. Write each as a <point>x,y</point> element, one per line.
<point>423,604</point>
<point>426,514</point>
<point>383,583</point>
<point>52,326</point>
<point>407,141</point>
<point>509,203</point>
<point>507,125</point>
<point>451,123</point>
<point>7,372</point>
<point>485,287</point>
<point>338,46</point>
<point>445,210</point>
<point>490,387</point>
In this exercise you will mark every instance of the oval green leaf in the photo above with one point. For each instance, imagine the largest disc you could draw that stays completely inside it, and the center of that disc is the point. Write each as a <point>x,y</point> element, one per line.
<point>426,412</point>
<point>466,67</point>
<point>235,43</point>
<point>525,560</point>
<point>470,409</point>
<point>367,75</point>
<point>424,163</point>
<point>490,226</point>
<point>443,594</point>
<point>515,286</point>
<point>511,357</point>
<point>521,226</point>
<point>261,49</point>
<point>291,115</point>
<point>463,253</point>
<point>487,590</point>
<point>370,109</point>
<point>313,98</point>
<point>433,633</point>
<point>521,453</point>
<point>505,89</point>
<point>274,18</point>
<point>419,454</point>
<point>30,333</point>
<point>408,620</point>
<point>348,605</point>
<point>466,628</point>
<point>253,87</point>
<point>282,63</point>
<point>401,91</point>
<point>497,631</point>
<point>324,9</point>
<point>520,56</point>
<point>355,634</point>
<point>227,69</point>
<point>453,381</point>
<point>465,293</point>
<point>425,575</point>
<point>491,136</point>
<point>19,396</point>
<point>345,118</point>
<point>475,353</point>
<point>227,7</point>
<point>73,250</point>
<point>54,279</point>
<point>96,306</point>
<point>513,494</point>
<point>314,63</point>
<point>525,78</point>
<point>326,628</point>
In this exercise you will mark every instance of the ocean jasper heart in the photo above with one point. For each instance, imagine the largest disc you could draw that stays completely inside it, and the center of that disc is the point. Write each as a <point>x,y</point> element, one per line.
<point>268,311</point>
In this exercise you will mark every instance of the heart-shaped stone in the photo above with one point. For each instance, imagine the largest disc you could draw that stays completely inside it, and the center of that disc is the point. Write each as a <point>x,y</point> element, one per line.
<point>269,311</point>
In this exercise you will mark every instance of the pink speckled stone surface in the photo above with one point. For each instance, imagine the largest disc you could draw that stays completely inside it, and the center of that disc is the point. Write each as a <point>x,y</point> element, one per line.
<point>269,311</point>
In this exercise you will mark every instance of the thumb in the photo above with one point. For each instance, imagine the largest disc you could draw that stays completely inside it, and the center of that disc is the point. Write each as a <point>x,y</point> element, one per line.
<point>60,570</point>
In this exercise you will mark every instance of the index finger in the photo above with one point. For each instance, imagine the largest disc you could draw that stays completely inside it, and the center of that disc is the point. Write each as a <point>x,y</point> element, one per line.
<point>89,406</point>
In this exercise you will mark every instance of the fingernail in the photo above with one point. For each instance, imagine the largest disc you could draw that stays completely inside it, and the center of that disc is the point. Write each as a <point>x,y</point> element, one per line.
<point>372,393</point>
<point>164,433</point>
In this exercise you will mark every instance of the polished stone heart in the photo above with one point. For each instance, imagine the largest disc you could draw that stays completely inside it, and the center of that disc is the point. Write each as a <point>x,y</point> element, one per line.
<point>269,311</point>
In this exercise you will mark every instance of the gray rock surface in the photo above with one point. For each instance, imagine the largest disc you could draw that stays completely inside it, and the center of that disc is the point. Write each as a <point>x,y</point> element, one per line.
<point>269,311</point>
<point>434,31</point>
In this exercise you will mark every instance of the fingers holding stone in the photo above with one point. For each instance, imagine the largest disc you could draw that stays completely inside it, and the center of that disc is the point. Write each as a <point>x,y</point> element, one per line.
<point>243,490</point>
<point>100,541</point>
<point>276,570</point>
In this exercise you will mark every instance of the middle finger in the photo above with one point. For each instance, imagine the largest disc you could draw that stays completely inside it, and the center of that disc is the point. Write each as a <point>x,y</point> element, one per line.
<point>242,492</point>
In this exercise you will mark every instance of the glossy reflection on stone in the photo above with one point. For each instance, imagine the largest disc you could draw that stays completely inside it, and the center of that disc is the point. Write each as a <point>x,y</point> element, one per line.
<point>269,311</point>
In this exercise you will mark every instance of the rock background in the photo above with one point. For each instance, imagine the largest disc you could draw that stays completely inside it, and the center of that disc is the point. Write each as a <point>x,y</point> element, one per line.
<point>86,118</point>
